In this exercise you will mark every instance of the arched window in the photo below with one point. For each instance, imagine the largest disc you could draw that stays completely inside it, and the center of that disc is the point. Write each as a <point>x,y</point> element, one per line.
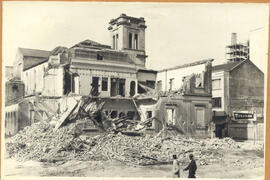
<point>132,88</point>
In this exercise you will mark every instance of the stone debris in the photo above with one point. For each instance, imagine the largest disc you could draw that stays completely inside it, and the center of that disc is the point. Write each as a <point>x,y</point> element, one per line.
<point>42,143</point>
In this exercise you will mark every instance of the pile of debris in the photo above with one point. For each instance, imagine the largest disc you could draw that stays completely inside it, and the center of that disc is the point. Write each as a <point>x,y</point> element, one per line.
<point>121,140</point>
<point>41,142</point>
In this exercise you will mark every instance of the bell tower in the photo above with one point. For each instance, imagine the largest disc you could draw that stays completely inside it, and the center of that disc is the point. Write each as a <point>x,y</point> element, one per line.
<point>128,34</point>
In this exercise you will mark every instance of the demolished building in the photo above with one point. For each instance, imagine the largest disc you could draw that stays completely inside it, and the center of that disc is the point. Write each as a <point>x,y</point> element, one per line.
<point>106,73</point>
<point>65,83</point>
<point>183,99</point>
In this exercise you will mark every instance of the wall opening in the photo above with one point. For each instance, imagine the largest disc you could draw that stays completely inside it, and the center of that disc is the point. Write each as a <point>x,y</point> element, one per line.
<point>136,41</point>
<point>117,87</point>
<point>150,84</point>
<point>67,82</point>
<point>122,114</point>
<point>113,87</point>
<point>104,84</point>
<point>216,102</point>
<point>15,88</point>
<point>171,116</point>
<point>94,85</point>
<point>130,41</point>
<point>200,112</point>
<point>116,43</point>
<point>171,84</point>
<point>75,83</point>
<point>113,41</point>
<point>122,87</point>
<point>132,88</point>
<point>114,114</point>
<point>130,114</point>
<point>159,85</point>
<point>99,57</point>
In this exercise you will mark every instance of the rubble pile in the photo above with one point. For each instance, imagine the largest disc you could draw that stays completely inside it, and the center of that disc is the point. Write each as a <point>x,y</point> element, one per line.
<point>41,142</point>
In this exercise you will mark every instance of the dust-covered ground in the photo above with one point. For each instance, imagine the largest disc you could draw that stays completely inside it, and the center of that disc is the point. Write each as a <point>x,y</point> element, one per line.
<point>41,151</point>
<point>235,164</point>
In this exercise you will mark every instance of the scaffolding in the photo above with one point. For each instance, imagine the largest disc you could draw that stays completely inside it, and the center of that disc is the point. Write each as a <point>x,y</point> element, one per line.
<point>237,51</point>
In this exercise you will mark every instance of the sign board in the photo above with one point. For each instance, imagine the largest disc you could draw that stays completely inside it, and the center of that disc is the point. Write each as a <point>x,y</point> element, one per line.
<point>244,115</point>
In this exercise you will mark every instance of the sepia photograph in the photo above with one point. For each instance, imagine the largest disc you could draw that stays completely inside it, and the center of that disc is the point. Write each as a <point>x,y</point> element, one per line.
<point>134,89</point>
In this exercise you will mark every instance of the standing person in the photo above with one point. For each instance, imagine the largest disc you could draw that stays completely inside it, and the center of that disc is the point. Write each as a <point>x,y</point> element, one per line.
<point>192,167</point>
<point>176,168</point>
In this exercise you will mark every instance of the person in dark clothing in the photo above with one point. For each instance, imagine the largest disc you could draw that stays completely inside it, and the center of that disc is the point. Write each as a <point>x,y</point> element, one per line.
<point>192,167</point>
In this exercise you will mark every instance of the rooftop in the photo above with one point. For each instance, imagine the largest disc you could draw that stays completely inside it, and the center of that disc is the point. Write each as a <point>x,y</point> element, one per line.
<point>91,44</point>
<point>141,19</point>
<point>37,57</point>
<point>226,66</point>
<point>34,52</point>
<point>187,65</point>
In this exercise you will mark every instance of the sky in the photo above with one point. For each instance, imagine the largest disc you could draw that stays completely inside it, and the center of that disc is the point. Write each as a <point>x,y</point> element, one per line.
<point>177,33</point>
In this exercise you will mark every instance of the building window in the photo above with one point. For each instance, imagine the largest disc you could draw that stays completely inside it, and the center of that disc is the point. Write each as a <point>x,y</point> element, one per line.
<point>200,117</point>
<point>130,114</point>
<point>216,102</point>
<point>159,85</point>
<point>15,88</point>
<point>132,88</point>
<point>199,78</point>
<point>130,41</point>
<point>99,57</point>
<point>116,42</point>
<point>136,41</point>
<point>114,114</point>
<point>171,116</point>
<point>35,82</point>
<point>104,84</point>
<point>171,84</point>
<point>216,84</point>
<point>94,90</point>
<point>113,41</point>
<point>149,114</point>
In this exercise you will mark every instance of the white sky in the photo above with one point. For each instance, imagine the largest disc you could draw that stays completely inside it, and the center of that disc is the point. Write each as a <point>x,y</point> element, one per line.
<point>176,33</point>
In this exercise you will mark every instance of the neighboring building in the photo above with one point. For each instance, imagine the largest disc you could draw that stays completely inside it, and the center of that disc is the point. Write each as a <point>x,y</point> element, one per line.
<point>236,51</point>
<point>14,90</point>
<point>185,99</point>
<point>9,72</point>
<point>238,100</point>
<point>29,66</point>
<point>28,58</point>
<point>16,117</point>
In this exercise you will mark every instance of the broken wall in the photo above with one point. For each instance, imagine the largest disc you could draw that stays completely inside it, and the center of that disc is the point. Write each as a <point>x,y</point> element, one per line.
<point>194,78</point>
<point>18,116</point>
<point>54,82</point>
<point>14,90</point>
<point>11,119</point>
<point>124,107</point>
<point>188,115</point>
<point>33,79</point>
<point>148,109</point>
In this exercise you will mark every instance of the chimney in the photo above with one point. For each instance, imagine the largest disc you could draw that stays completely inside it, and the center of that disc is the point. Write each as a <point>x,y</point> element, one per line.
<point>234,38</point>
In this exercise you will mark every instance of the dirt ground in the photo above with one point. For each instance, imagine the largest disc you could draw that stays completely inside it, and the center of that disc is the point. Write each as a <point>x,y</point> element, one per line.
<point>235,164</point>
